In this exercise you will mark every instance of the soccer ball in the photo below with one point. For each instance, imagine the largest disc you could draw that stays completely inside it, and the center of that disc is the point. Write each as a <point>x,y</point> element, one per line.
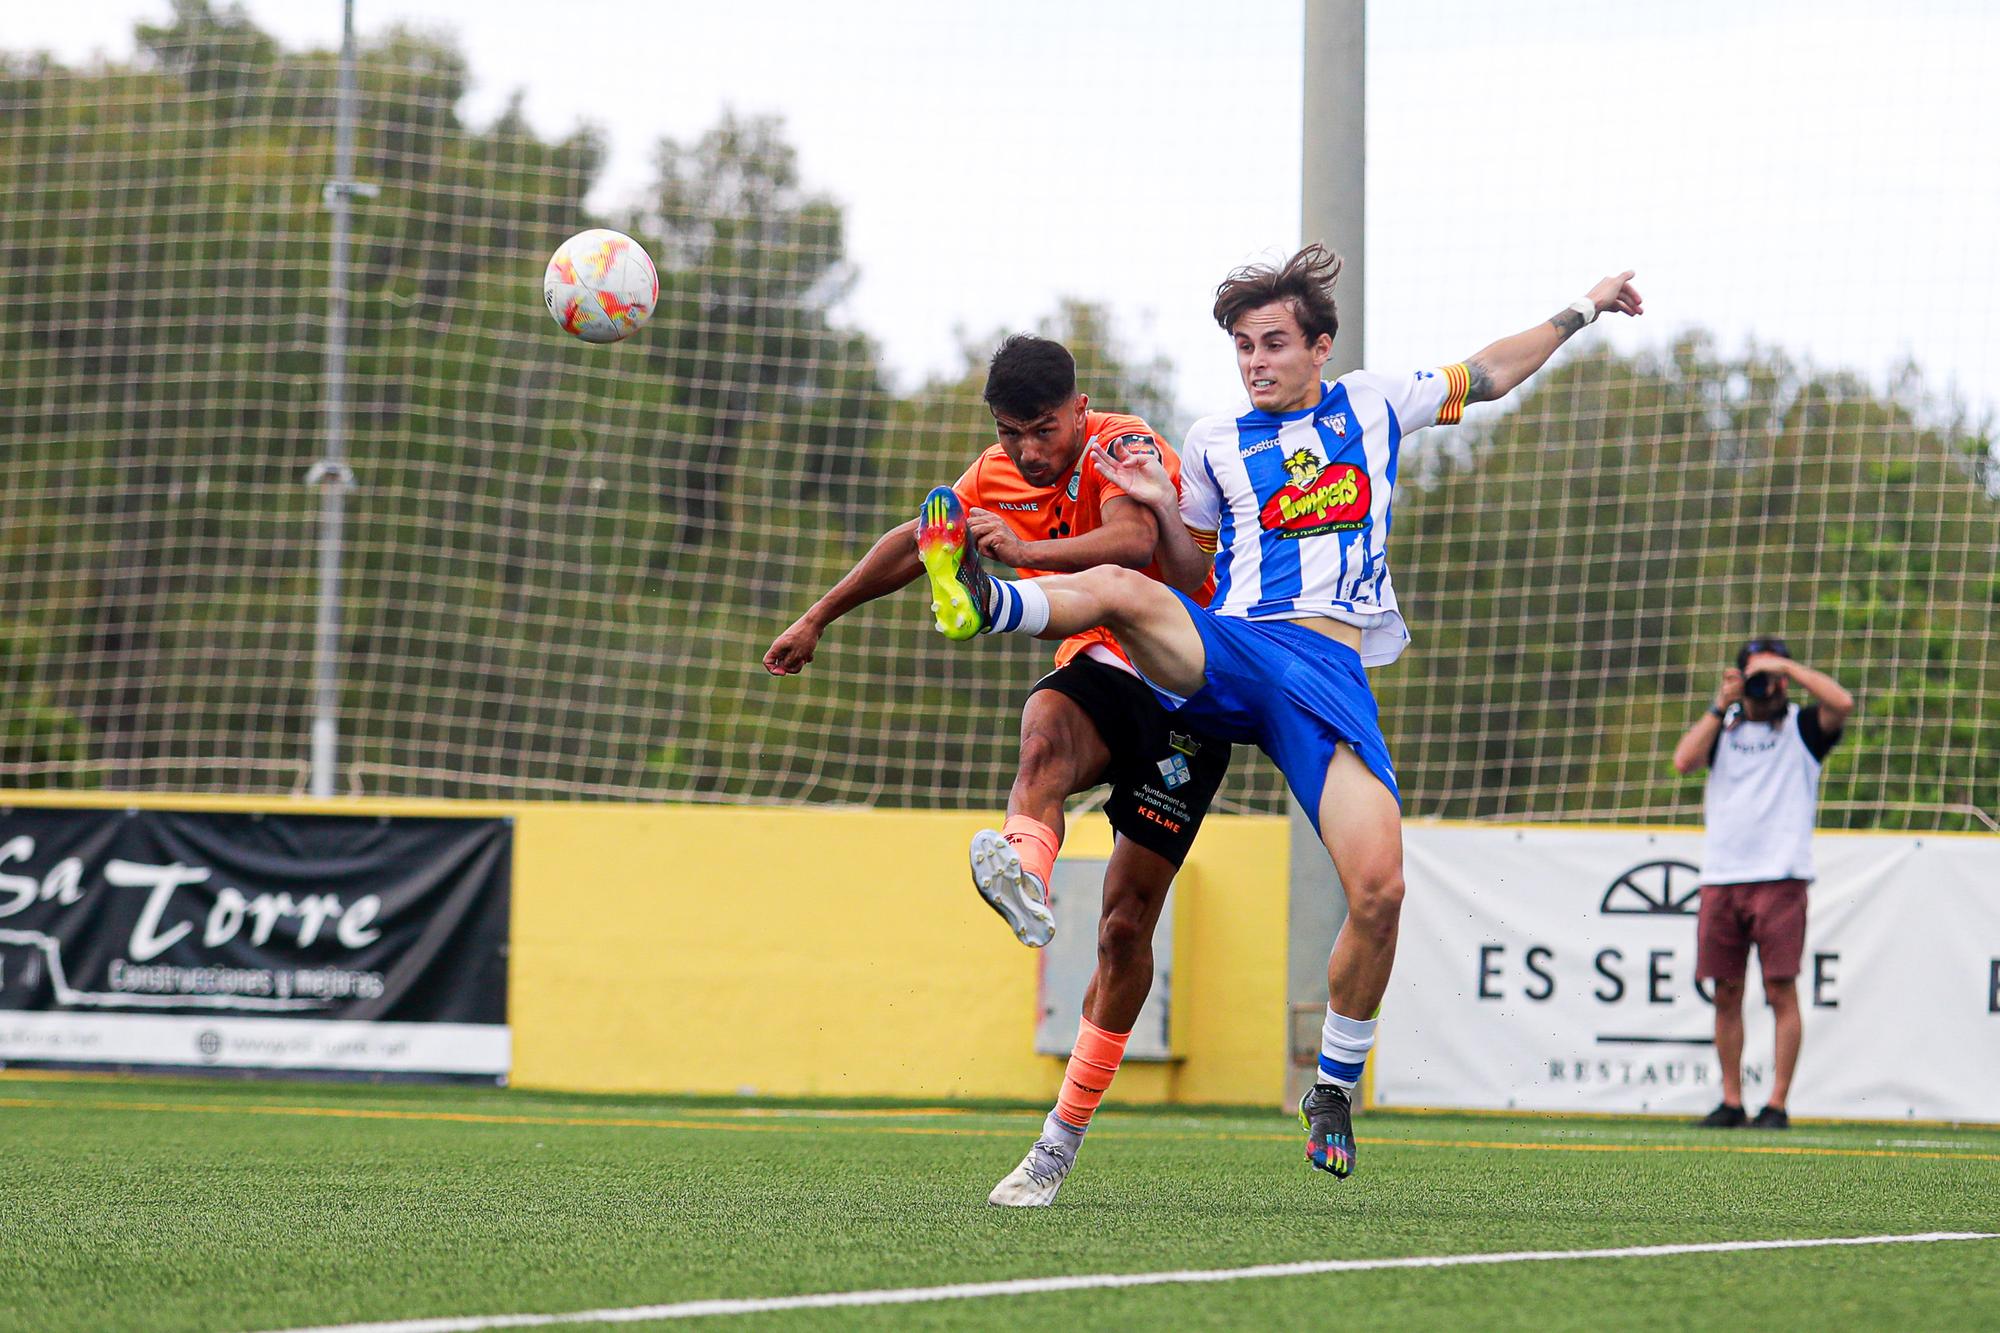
<point>601,285</point>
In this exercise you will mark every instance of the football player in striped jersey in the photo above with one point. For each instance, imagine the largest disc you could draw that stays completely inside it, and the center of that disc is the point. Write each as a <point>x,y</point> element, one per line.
<point>1286,506</point>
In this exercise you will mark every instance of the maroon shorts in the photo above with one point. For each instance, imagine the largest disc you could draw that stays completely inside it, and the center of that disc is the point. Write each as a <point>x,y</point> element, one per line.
<point>1770,914</point>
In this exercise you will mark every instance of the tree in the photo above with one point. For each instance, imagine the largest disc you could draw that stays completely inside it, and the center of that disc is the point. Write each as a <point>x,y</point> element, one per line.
<point>564,560</point>
<point>36,734</point>
<point>210,50</point>
<point>1581,569</point>
<point>751,266</point>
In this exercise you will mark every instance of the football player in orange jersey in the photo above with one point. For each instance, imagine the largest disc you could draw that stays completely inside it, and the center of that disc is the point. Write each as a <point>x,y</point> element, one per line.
<point>1035,500</point>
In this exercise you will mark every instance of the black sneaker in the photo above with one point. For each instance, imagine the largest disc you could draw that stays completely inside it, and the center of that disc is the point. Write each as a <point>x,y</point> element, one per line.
<point>1771,1117</point>
<point>1329,1120</point>
<point>1724,1116</point>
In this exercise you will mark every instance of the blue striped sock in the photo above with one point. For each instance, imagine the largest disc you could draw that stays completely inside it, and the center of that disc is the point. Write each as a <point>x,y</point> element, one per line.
<point>1344,1044</point>
<point>1005,613</point>
<point>1018,608</point>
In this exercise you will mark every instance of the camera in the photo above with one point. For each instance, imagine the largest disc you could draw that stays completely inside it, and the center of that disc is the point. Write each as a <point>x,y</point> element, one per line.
<point>1762,685</point>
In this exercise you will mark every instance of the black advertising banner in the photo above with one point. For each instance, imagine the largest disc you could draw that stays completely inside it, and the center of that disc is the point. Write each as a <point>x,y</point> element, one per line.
<point>257,941</point>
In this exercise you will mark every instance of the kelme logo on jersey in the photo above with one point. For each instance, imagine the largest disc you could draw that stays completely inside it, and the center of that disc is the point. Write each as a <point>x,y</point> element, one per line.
<point>1322,497</point>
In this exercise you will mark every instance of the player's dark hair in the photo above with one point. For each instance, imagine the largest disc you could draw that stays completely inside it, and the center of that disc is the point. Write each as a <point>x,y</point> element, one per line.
<point>1304,282</point>
<point>1029,376</point>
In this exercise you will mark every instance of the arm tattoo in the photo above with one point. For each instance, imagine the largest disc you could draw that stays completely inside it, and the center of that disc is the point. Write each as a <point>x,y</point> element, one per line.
<point>1566,322</point>
<point>1479,386</point>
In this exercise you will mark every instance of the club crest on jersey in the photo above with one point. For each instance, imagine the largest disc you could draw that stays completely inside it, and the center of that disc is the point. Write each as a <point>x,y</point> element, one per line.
<point>1126,445</point>
<point>1335,422</point>
<point>1322,498</point>
<point>1075,483</point>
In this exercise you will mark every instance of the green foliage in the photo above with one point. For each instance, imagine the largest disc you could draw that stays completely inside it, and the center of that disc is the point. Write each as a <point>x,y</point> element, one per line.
<point>751,265</point>
<point>210,50</point>
<point>1581,572</point>
<point>35,733</point>
<point>562,562</point>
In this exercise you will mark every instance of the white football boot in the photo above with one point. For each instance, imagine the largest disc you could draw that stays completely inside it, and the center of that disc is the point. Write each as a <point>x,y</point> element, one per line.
<point>1033,1184</point>
<point>1021,900</point>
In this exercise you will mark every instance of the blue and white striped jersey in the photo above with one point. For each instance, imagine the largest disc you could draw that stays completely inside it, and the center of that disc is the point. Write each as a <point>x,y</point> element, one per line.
<point>1295,507</point>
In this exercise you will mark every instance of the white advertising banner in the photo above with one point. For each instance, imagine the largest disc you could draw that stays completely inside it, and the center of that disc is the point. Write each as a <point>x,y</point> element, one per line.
<point>1552,969</point>
<point>228,1041</point>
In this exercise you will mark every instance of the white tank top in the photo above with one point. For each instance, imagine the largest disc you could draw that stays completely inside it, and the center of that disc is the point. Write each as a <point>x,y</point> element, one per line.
<point>1763,794</point>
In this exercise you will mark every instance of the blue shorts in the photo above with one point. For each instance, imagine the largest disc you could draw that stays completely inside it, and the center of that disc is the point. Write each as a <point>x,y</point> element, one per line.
<point>1292,692</point>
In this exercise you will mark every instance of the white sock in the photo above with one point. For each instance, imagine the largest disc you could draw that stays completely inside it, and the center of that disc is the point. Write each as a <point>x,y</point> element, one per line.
<point>1062,1132</point>
<point>1344,1044</point>
<point>1019,607</point>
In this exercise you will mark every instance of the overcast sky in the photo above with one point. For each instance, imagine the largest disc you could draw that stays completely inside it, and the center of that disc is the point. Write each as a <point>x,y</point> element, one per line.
<point>1814,175</point>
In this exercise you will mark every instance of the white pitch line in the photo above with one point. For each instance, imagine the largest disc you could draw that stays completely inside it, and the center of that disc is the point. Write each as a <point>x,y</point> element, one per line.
<point>1031,1286</point>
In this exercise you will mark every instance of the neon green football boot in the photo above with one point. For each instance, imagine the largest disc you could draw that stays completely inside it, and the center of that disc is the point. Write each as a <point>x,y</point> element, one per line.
<point>959,587</point>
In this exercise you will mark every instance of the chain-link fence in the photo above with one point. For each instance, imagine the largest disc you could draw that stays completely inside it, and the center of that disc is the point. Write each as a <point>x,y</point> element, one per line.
<point>564,561</point>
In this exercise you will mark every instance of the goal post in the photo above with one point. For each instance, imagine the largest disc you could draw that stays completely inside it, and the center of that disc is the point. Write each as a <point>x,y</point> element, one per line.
<point>1333,180</point>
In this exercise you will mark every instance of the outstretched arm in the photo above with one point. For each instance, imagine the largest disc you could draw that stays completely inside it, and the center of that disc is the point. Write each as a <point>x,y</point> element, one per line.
<point>891,563</point>
<point>1497,370</point>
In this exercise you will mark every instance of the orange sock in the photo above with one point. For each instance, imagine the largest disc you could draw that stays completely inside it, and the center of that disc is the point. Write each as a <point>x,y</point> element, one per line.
<point>1035,843</point>
<point>1092,1064</point>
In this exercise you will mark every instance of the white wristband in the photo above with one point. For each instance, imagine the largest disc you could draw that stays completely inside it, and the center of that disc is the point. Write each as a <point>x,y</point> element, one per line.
<point>1584,306</point>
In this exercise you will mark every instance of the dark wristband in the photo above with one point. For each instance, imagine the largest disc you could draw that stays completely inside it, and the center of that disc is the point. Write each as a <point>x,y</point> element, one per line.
<point>1715,712</point>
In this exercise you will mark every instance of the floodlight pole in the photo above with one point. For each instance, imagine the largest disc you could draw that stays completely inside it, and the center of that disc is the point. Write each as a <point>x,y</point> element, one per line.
<point>331,473</point>
<point>1332,192</point>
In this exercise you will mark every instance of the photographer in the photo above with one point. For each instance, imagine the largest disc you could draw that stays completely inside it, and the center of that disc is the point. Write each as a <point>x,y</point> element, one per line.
<point>1763,754</point>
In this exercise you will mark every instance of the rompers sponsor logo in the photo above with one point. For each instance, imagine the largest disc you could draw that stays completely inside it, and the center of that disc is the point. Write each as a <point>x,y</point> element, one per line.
<point>1321,497</point>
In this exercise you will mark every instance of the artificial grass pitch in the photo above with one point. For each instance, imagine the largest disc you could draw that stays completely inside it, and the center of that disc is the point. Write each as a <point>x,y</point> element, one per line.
<point>144,1204</point>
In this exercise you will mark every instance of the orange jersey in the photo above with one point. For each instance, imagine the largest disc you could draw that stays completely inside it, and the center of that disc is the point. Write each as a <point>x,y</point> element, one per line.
<point>1052,513</point>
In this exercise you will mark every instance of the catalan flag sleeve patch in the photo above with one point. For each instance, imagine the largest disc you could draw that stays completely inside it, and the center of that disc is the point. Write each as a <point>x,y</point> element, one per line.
<point>1458,381</point>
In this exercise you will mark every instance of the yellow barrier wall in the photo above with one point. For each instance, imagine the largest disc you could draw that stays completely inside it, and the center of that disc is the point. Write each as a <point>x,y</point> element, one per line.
<point>835,952</point>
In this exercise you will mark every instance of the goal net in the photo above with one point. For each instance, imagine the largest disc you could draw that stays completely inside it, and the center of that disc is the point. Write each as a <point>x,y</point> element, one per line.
<point>564,562</point>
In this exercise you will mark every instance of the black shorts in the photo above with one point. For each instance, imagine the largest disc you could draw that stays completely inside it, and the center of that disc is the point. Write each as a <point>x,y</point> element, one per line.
<point>1163,774</point>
